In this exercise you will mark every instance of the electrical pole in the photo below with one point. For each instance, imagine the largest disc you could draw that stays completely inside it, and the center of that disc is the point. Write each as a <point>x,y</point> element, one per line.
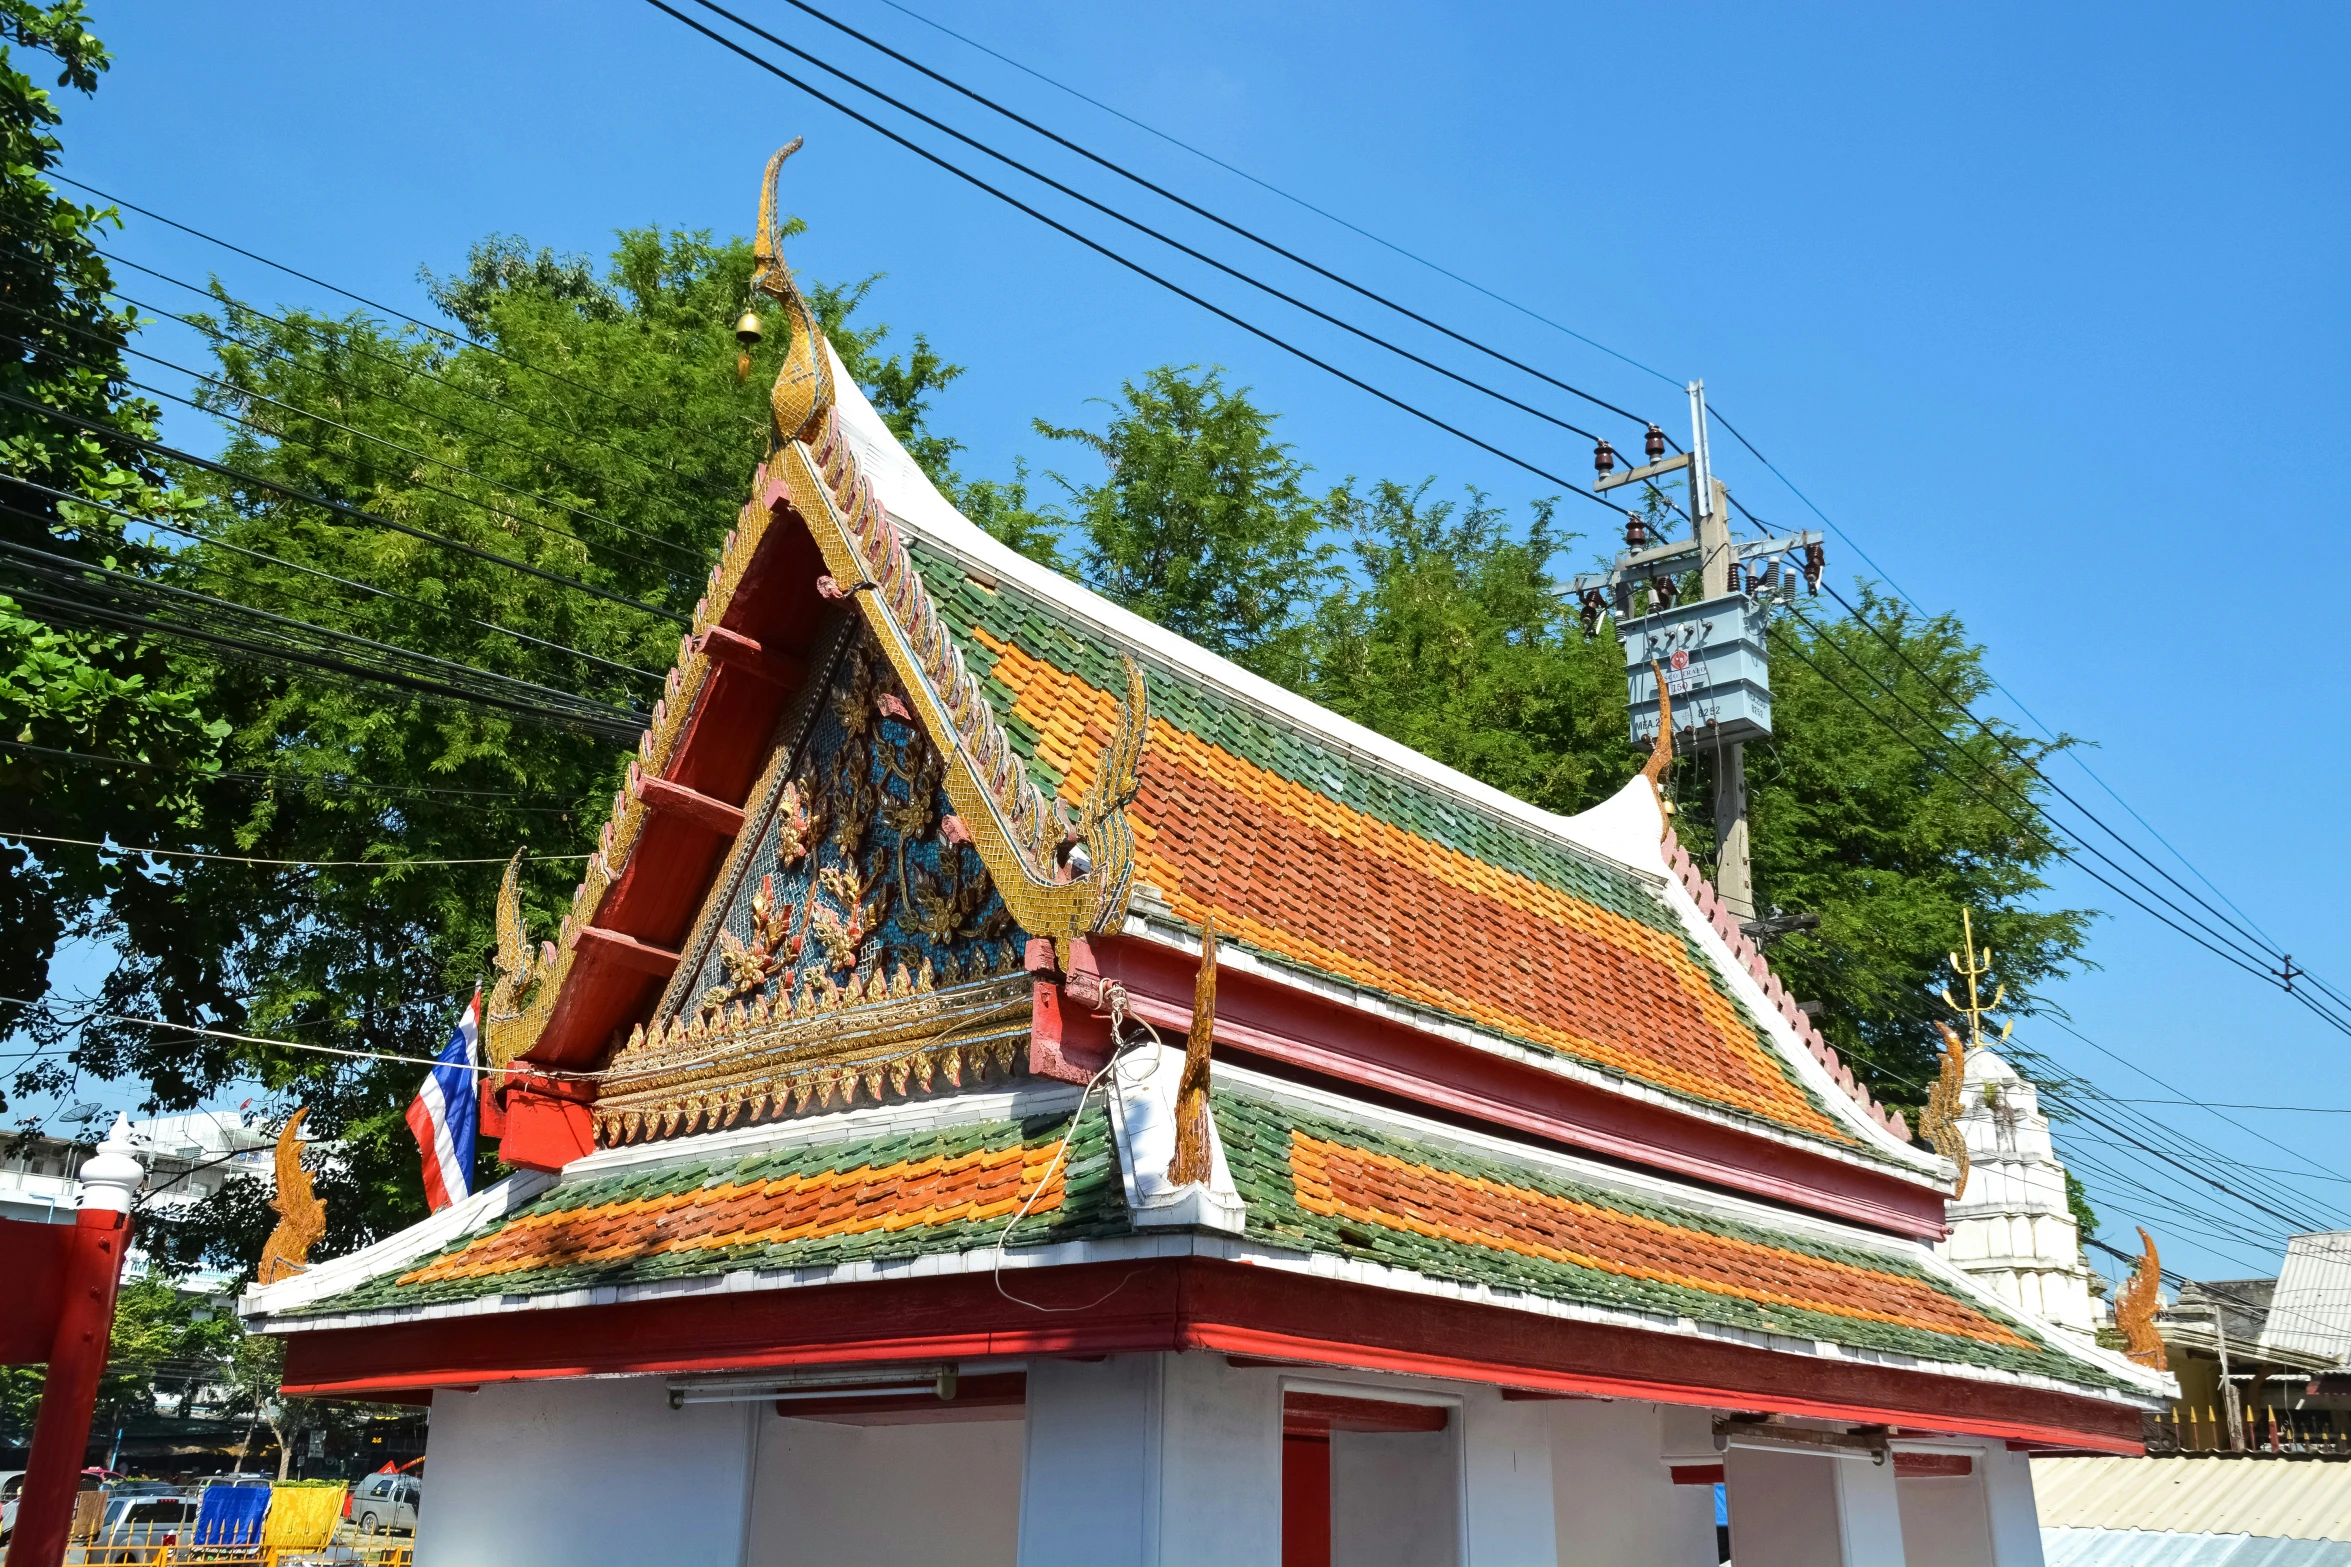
<point>1708,651</point>
<point>1710,514</point>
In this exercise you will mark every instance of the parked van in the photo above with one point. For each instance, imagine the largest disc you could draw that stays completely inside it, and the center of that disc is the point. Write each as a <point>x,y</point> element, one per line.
<point>387,1503</point>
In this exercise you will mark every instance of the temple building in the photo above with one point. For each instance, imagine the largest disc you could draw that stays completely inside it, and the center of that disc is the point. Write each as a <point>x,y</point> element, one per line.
<point>1014,1087</point>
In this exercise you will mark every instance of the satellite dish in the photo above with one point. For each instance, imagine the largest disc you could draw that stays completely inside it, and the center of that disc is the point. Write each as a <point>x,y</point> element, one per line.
<point>82,1114</point>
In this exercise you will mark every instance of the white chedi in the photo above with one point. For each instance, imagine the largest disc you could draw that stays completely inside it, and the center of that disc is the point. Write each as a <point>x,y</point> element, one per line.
<point>2010,1225</point>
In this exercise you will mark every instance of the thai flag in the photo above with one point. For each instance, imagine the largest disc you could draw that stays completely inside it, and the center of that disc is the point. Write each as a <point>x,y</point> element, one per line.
<point>447,1111</point>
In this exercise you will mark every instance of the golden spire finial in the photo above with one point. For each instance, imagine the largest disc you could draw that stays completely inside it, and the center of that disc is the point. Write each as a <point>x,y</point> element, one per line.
<point>1977,965</point>
<point>804,385</point>
<point>2135,1307</point>
<point>1194,1156</point>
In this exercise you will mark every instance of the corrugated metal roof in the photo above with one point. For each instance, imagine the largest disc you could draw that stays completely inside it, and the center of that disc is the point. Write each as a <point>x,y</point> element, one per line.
<point>2311,1310</point>
<point>2162,1548</point>
<point>2301,1499</point>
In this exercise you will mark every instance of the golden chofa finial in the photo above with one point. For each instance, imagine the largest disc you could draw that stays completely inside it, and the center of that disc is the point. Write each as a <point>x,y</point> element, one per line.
<point>1977,965</point>
<point>803,391</point>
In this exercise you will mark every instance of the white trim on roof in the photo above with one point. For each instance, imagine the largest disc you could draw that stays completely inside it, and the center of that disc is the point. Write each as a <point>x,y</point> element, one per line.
<point>1625,829</point>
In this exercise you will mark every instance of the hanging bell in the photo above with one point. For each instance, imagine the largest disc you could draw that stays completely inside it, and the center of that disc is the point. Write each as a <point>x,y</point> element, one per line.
<point>747,332</point>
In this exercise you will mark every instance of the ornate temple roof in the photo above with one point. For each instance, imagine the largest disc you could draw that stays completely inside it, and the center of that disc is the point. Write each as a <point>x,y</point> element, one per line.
<point>1330,1187</point>
<point>1327,851</point>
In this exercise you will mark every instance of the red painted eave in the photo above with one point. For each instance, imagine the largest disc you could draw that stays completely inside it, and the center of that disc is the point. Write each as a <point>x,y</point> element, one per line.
<point>1176,1304</point>
<point>1319,1039</point>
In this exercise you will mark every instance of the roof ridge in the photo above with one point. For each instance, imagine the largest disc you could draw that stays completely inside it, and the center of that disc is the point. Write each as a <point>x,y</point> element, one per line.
<point>1750,956</point>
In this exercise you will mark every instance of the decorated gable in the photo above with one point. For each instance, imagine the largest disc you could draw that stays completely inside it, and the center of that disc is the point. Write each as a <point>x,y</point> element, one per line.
<point>855,943</point>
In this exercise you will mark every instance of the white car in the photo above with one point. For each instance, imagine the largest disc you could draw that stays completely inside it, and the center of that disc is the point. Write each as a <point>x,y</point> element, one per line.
<point>11,1487</point>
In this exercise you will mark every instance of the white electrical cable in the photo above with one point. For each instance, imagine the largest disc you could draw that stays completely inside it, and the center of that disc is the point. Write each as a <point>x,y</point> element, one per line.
<point>1115,994</point>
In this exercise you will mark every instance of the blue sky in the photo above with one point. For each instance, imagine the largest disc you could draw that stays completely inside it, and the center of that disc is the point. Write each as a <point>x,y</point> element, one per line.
<point>2042,305</point>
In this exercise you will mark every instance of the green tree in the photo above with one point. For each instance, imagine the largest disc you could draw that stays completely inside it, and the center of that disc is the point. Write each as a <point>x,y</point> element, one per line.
<point>166,1342</point>
<point>1452,638</point>
<point>69,683</point>
<point>1203,521</point>
<point>620,464</point>
<point>1889,833</point>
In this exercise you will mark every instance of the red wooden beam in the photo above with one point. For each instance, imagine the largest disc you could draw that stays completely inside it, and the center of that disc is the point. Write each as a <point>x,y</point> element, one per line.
<point>1181,1304</point>
<point>87,1270</point>
<point>1303,1034</point>
<point>733,650</point>
<point>627,952</point>
<point>691,805</point>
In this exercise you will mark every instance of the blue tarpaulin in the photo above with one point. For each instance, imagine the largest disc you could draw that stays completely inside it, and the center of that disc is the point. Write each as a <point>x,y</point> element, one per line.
<point>232,1514</point>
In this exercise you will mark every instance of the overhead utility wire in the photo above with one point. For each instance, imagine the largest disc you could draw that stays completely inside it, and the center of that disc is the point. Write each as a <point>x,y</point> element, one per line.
<point>1141,227</point>
<point>247,859</point>
<point>1300,201</point>
<point>2254,1201</point>
<point>1135,267</point>
<point>2067,1088</point>
<point>505,691</point>
<point>218,335</point>
<point>249,396</point>
<point>2172,1088</point>
<point>478,799</point>
<point>2022,797</point>
<point>1940,765</point>
<point>341,508</point>
<point>2245,957</point>
<point>2075,757</point>
<point>2252,936</point>
<point>1162,191</point>
<point>399,315</point>
<point>216,542</point>
<point>327,339</point>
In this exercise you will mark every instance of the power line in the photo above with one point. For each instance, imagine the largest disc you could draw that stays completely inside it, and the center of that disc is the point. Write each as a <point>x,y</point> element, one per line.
<point>2074,756</point>
<point>249,396</point>
<point>480,798</point>
<point>1940,766</point>
<point>247,859</point>
<point>334,651</point>
<point>2030,763</point>
<point>398,315</point>
<point>404,367</point>
<point>341,508</point>
<point>1141,227</point>
<point>2231,937</point>
<point>1300,201</point>
<point>217,542</point>
<point>1162,191</point>
<point>1135,267</point>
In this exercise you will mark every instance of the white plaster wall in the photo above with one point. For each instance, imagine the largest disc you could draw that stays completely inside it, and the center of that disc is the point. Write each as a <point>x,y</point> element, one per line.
<point>1506,1477</point>
<point>886,1496</point>
<point>1151,1460</point>
<point>1945,1522</point>
<point>1394,1498</point>
<point>574,1473</point>
<point>1615,1499</point>
<point>1799,1510</point>
<point>2015,1514</point>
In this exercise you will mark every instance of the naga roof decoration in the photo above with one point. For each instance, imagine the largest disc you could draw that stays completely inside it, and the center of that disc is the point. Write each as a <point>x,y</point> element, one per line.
<point>1077,769</point>
<point>1025,840</point>
<point>1381,1197</point>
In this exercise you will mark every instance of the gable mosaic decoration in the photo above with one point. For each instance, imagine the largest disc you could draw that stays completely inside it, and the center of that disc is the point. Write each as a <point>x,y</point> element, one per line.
<point>862,947</point>
<point>1062,873</point>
